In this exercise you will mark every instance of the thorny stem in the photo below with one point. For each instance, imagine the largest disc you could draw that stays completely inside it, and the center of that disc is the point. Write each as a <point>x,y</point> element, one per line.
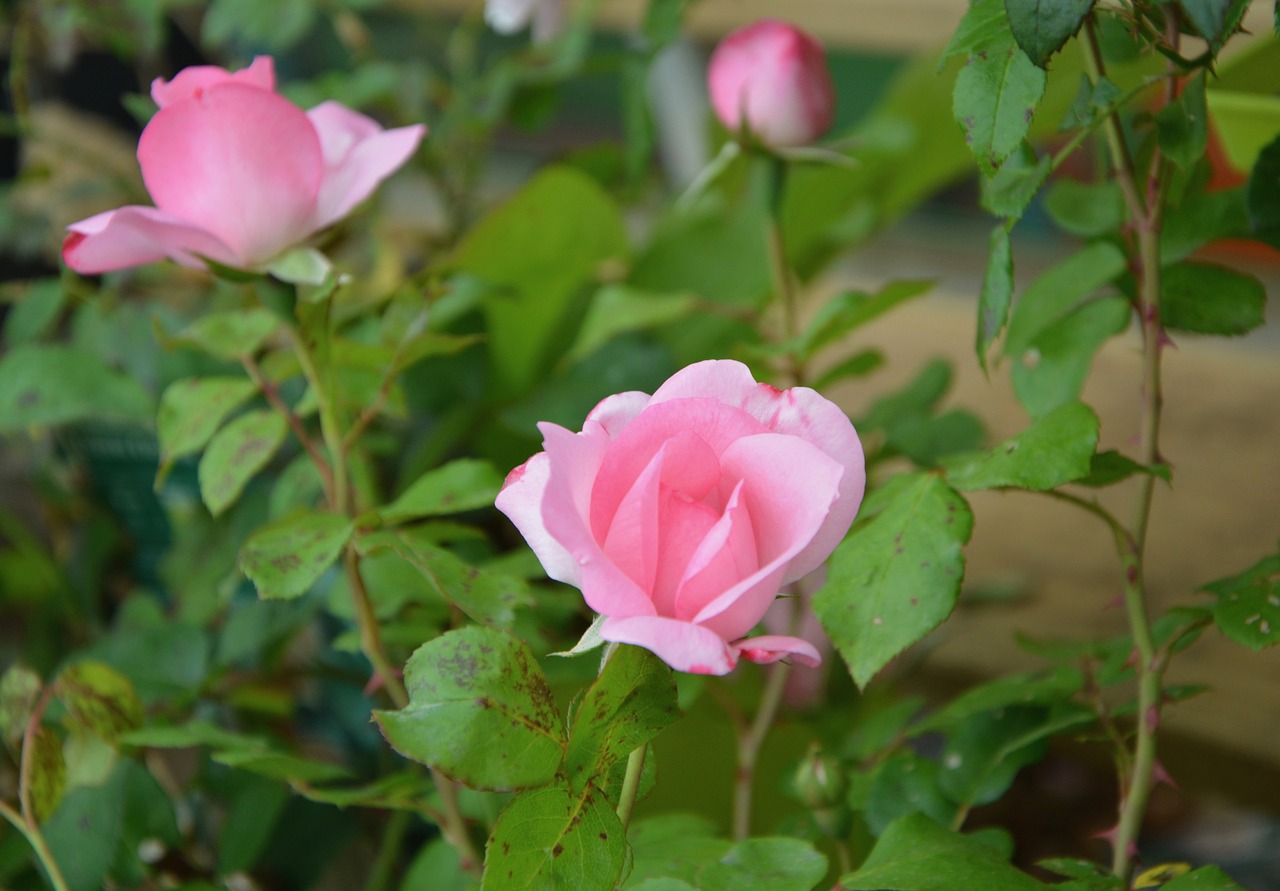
<point>272,395</point>
<point>1146,218</point>
<point>454,825</point>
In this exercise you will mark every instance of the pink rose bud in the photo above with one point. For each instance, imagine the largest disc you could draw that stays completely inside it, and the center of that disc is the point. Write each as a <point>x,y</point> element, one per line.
<point>238,174</point>
<point>681,515</point>
<point>771,80</point>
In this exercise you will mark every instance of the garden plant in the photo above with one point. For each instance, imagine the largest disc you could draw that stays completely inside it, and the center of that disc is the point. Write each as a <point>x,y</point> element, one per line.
<point>397,513</point>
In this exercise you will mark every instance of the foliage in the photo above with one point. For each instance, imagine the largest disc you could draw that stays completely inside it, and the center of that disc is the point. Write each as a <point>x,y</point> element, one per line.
<point>268,630</point>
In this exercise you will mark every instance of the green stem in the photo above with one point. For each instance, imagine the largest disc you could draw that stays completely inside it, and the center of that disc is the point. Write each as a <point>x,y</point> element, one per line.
<point>1146,218</point>
<point>749,744</point>
<point>272,395</point>
<point>784,285</point>
<point>31,832</point>
<point>631,784</point>
<point>330,427</point>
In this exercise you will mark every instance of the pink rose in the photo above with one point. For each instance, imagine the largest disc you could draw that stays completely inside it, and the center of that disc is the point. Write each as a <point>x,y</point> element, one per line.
<point>771,79</point>
<point>238,174</point>
<point>682,514</point>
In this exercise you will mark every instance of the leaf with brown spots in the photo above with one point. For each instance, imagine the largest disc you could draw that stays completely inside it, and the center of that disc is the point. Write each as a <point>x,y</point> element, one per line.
<point>99,700</point>
<point>286,558</point>
<point>556,838</point>
<point>235,454</point>
<point>479,710</point>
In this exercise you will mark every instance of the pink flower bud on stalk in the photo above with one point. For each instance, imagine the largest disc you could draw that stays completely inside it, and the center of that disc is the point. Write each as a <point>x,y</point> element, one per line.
<point>681,515</point>
<point>239,174</point>
<point>769,82</point>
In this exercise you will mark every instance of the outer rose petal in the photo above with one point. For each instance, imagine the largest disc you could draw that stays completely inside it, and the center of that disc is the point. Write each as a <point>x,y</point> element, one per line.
<point>243,162</point>
<point>189,81</point>
<point>615,412</point>
<point>132,236</point>
<point>682,645</point>
<point>800,412</point>
<point>575,462</point>
<point>358,155</point>
<point>521,500</point>
<point>775,647</point>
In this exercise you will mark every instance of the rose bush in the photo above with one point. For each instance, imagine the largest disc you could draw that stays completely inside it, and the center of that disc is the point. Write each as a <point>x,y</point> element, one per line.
<point>771,80</point>
<point>238,174</point>
<point>682,514</point>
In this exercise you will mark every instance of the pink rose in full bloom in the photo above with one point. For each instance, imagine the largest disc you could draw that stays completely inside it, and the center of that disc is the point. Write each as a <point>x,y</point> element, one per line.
<point>771,79</point>
<point>239,174</point>
<point>682,514</point>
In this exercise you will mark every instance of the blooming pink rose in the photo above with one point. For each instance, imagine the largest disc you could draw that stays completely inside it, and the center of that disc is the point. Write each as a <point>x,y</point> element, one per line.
<point>238,174</point>
<point>682,514</point>
<point>771,79</point>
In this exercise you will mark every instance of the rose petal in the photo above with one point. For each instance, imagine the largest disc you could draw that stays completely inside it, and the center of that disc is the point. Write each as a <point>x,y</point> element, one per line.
<point>769,648</point>
<point>726,555</point>
<point>683,646</point>
<point>800,412</point>
<point>189,81</point>
<point>682,526</point>
<point>238,161</point>
<point>521,500</point>
<point>132,236</point>
<point>717,425</point>
<point>789,488</point>
<point>358,155</point>
<point>575,461</point>
<point>615,412</point>
<point>632,539</point>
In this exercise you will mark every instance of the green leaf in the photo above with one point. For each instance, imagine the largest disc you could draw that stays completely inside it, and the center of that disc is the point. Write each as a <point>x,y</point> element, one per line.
<point>1008,193</point>
<point>1038,687</point>
<point>1052,371</point>
<point>48,773</point>
<point>197,733</point>
<point>1202,217</point>
<point>556,838</point>
<point>857,365</point>
<point>1262,197</point>
<point>1182,126</point>
<point>237,452</point>
<point>33,314</point>
<point>84,833</point>
<point>301,266</point>
<point>766,864</point>
<point>674,846</point>
<point>286,558</point>
<point>1109,467</point>
<point>1206,878</point>
<point>19,689</point>
<point>461,485</point>
<point>852,309</point>
<point>538,249</point>
<point>1086,209</point>
<point>718,255</point>
<point>904,784</point>
<point>1248,607</point>
<point>1055,449</point>
<point>1092,101</point>
<point>480,711</point>
<point>1210,299</point>
<point>436,867</point>
<point>997,292</point>
<point>45,385</point>
<point>631,701</point>
<point>99,700</point>
<point>231,334</point>
<point>984,28</point>
<point>916,854</point>
<point>489,598</point>
<point>618,309</point>
<point>1042,27</point>
<point>986,751</point>
<point>192,410</point>
<point>1058,291</point>
<point>1214,19</point>
<point>995,96</point>
<point>282,766</point>
<point>404,790</point>
<point>896,579</point>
